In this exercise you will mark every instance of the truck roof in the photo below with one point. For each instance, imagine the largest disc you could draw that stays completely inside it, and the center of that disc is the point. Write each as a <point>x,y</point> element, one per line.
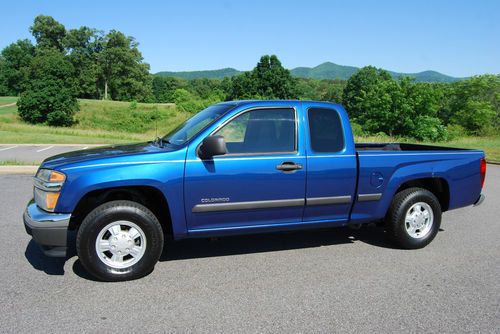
<point>275,102</point>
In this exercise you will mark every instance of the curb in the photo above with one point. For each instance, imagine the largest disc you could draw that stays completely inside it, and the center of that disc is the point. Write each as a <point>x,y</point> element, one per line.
<point>18,170</point>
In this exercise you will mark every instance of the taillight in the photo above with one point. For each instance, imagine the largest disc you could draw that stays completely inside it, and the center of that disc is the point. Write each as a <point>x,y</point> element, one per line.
<point>482,171</point>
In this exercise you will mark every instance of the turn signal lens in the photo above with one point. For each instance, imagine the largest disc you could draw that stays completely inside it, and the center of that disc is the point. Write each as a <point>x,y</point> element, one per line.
<point>57,177</point>
<point>51,200</point>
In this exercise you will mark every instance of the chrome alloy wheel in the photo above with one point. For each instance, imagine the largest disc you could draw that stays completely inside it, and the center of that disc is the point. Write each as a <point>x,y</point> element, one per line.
<point>419,219</point>
<point>120,244</point>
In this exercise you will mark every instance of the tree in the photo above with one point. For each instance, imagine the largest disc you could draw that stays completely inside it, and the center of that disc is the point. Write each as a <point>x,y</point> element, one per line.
<point>50,95</point>
<point>268,80</point>
<point>396,107</point>
<point>14,62</point>
<point>363,83</point>
<point>83,46</point>
<point>124,75</point>
<point>476,104</point>
<point>164,87</point>
<point>48,32</point>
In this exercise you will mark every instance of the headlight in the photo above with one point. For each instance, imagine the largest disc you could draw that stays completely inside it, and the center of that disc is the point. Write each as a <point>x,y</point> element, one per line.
<point>48,184</point>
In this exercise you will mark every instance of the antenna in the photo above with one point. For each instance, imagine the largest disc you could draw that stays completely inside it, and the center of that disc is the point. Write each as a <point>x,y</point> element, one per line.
<point>156,125</point>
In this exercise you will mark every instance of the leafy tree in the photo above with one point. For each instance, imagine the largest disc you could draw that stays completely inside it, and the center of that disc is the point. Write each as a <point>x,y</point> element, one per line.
<point>268,80</point>
<point>14,62</point>
<point>164,87</point>
<point>50,95</point>
<point>395,107</point>
<point>83,46</point>
<point>365,82</point>
<point>48,32</point>
<point>320,90</point>
<point>124,75</point>
<point>476,104</point>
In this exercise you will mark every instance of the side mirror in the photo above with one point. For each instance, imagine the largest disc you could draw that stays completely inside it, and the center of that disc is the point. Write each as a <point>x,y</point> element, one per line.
<point>211,146</point>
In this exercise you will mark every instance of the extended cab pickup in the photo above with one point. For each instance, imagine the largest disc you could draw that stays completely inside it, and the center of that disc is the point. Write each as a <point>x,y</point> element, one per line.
<point>243,167</point>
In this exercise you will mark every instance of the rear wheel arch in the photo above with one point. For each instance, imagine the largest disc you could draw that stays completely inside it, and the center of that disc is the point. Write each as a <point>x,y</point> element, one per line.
<point>151,197</point>
<point>438,186</point>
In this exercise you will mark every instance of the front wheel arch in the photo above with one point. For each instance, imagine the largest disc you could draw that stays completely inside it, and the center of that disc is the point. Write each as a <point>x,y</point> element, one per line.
<point>151,197</point>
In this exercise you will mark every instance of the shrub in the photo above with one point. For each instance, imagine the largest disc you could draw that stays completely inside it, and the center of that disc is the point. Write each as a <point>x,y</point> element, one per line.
<point>48,103</point>
<point>428,128</point>
<point>455,131</point>
<point>50,95</point>
<point>357,129</point>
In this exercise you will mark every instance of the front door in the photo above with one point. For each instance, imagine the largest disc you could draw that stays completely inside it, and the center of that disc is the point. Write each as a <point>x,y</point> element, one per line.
<point>259,182</point>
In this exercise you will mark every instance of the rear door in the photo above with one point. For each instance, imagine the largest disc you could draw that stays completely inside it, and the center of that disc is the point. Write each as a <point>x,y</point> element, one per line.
<point>331,164</point>
<point>259,182</point>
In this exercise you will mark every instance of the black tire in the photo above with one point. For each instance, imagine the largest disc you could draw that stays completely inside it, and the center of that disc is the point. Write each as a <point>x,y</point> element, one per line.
<point>400,206</point>
<point>110,212</point>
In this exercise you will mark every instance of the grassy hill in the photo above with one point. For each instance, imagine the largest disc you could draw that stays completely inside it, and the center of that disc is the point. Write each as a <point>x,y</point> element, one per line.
<point>328,70</point>
<point>98,122</point>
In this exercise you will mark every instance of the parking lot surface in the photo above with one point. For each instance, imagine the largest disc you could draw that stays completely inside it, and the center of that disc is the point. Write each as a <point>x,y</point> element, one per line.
<point>323,281</point>
<point>35,154</point>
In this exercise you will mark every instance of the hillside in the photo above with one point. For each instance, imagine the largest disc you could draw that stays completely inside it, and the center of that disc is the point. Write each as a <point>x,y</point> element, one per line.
<point>209,74</point>
<point>98,122</point>
<point>328,70</point>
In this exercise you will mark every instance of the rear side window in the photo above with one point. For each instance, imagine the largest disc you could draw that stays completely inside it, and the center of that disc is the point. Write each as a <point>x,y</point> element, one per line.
<point>325,129</point>
<point>261,131</point>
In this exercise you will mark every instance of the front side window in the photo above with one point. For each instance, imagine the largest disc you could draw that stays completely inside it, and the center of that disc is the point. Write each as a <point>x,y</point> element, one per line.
<point>325,130</point>
<point>260,131</point>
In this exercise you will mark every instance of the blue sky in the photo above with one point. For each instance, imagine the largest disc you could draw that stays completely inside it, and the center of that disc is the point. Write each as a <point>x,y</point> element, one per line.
<point>459,38</point>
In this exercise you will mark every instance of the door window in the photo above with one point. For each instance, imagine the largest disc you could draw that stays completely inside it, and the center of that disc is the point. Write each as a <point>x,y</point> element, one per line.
<point>325,130</point>
<point>261,131</point>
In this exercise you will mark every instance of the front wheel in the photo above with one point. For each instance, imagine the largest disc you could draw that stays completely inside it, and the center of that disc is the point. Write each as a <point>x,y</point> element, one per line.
<point>414,218</point>
<point>119,240</point>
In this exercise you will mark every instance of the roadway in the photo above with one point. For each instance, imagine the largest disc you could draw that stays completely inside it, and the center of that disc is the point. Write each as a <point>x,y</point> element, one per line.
<point>323,281</point>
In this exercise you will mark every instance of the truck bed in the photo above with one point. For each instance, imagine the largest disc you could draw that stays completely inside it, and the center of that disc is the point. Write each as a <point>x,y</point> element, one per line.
<point>402,147</point>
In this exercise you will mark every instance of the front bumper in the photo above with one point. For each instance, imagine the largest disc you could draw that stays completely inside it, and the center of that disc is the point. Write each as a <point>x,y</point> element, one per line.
<point>49,230</point>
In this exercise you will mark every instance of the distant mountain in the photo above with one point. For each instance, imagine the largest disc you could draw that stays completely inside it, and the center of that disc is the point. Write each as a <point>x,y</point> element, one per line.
<point>209,74</point>
<point>427,76</point>
<point>328,70</point>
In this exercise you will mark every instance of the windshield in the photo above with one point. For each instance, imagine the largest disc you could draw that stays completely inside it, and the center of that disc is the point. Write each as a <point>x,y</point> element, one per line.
<point>195,124</point>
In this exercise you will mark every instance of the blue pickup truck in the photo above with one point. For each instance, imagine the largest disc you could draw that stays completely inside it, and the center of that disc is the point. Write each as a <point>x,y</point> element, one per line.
<point>243,167</point>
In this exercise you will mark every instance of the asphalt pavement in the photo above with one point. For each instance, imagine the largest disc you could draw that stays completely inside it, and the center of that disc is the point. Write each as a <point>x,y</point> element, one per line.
<point>324,281</point>
<point>35,154</point>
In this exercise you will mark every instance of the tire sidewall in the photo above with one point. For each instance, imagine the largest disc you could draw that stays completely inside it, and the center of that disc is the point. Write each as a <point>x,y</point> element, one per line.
<point>96,221</point>
<point>415,197</point>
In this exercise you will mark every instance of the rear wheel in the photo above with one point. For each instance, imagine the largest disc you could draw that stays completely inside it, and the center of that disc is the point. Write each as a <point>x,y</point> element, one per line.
<point>119,240</point>
<point>414,218</point>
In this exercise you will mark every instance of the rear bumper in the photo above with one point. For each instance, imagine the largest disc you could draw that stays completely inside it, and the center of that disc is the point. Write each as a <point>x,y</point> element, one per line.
<point>479,200</point>
<point>49,230</point>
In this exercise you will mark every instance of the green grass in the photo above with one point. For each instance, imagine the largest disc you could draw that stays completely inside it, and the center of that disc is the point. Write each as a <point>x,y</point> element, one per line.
<point>97,122</point>
<point>7,100</point>
<point>17,163</point>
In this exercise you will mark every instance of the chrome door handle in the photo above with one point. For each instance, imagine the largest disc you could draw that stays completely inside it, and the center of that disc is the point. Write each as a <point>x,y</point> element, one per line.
<point>288,166</point>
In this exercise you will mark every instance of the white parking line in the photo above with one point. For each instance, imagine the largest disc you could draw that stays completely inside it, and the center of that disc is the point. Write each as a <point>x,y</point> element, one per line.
<point>45,148</point>
<point>7,148</point>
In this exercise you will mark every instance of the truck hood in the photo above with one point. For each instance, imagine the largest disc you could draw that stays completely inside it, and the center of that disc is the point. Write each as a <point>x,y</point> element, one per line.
<point>101,153</point>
